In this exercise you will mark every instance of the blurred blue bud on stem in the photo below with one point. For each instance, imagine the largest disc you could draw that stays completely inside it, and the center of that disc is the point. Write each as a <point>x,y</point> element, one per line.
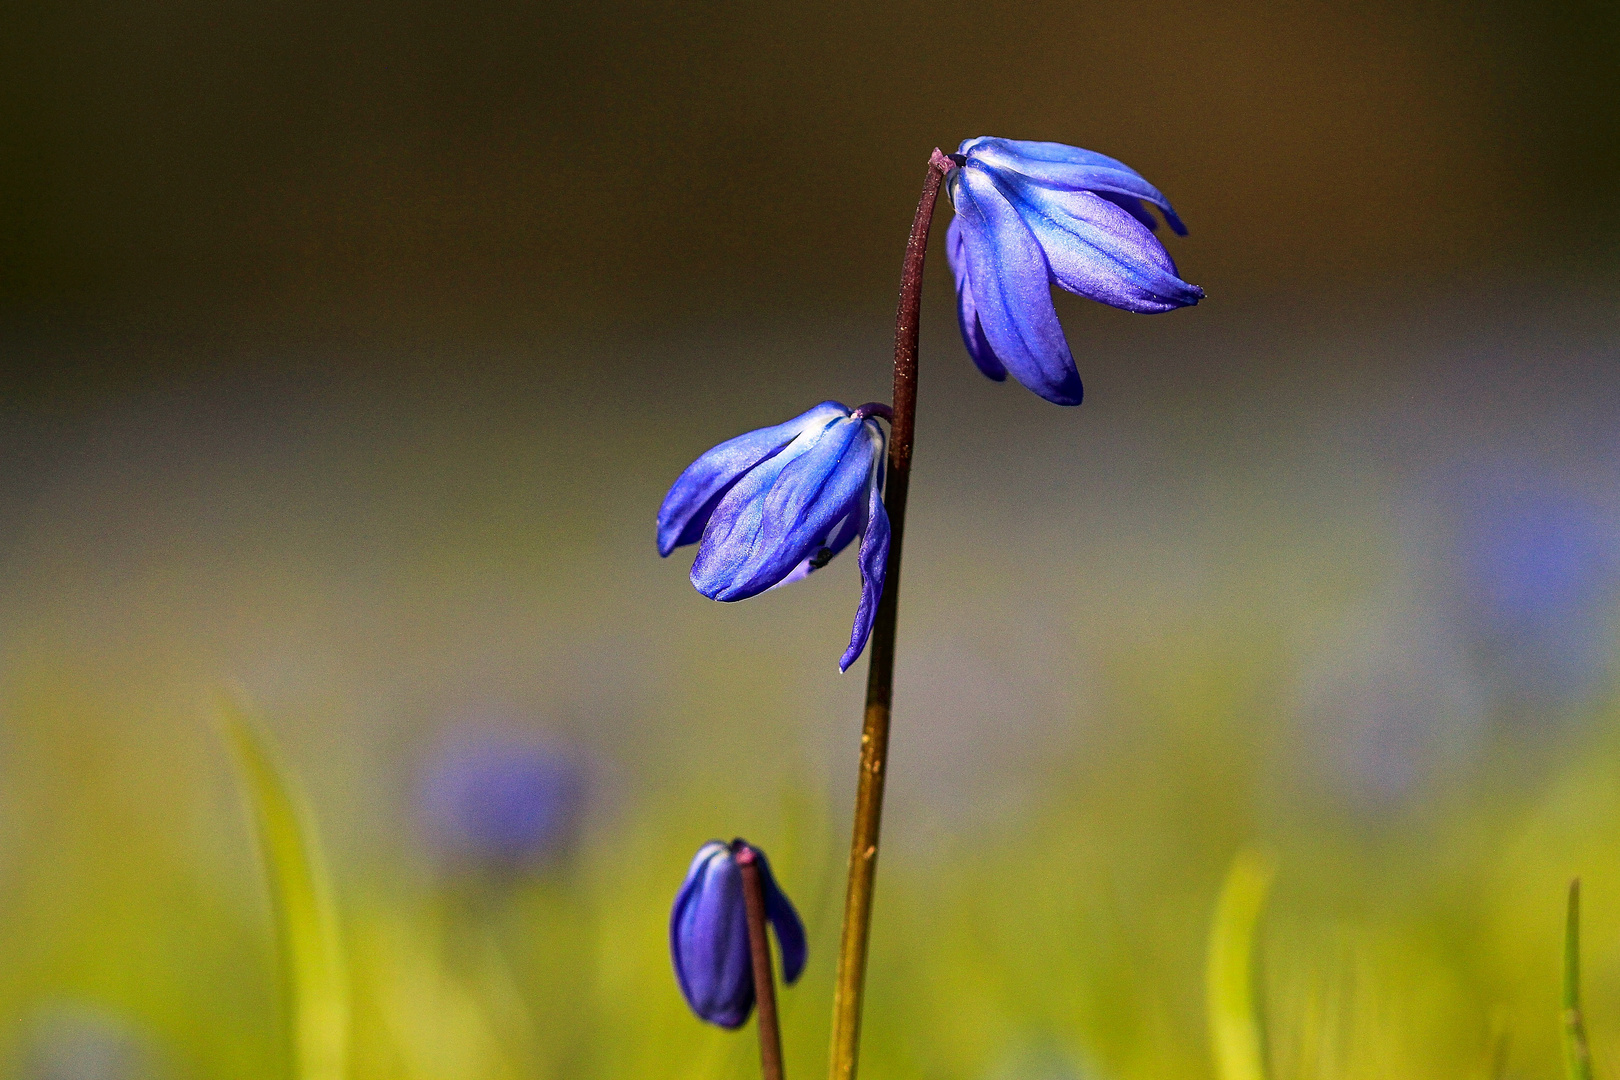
<point>708,934</point>
<point>1030,215</point>
<point>774,505</point>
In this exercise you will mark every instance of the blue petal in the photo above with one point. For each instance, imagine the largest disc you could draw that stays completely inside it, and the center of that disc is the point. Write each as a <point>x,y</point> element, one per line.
<point>708,939</point>
<point>761,530</point>
<point>790,936</point>
<point>804,508</point>
<point>1011,288</point>
<point>1069,168</point>
<point>874,559</point>
<point>1134,208</point>
<point>687,507</point>
<point>1098,250</point>
<point>1037,151</point>
<point>734,524</point>
<point>967,316</point>
<point>853,524</point>
<point>825,550</point>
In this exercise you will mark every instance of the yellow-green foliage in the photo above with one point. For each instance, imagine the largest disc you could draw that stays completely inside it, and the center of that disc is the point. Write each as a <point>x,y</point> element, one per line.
<point>1089,934</point>
<point>1066,934</point>
<point>1234,1029</point>
<point>306,921</point>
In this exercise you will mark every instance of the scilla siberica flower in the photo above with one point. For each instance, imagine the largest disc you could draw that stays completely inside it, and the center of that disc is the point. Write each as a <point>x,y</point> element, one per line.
<point>772,506</point>
<point>708,935</point>
<point>1033,214</point>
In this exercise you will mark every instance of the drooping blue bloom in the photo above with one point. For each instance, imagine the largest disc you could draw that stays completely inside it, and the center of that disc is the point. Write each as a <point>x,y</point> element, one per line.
<point>772,506</point>
<point>1030,215</point>
<point>708,935</point>
<point>500,801</point>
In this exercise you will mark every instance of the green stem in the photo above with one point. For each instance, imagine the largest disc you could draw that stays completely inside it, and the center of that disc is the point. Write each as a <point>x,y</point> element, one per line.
<point>1577,1056</point>
<point>863,850</point>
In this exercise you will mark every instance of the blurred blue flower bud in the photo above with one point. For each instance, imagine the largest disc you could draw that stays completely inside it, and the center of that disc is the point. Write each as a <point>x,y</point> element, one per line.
<point>1540,570</point>
<point>500,801</point>
<point>771,506</point>
<point>1033,214</point>
<point>708,935</point>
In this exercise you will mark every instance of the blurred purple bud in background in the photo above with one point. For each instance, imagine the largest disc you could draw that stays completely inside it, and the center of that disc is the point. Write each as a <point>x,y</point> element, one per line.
<point>1536,572</point>
<point>500,800</point>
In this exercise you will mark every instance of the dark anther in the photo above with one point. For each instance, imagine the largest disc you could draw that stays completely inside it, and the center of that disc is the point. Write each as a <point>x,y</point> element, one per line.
<point>821,558</point>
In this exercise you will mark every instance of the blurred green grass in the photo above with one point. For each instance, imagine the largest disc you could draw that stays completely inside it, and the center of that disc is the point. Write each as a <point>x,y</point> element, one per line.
<point>1077,935</point>
<point>1111,624</point>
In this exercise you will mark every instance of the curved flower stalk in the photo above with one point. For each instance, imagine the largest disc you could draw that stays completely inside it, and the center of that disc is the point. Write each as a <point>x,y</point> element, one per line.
<point>774,505</point>
<point>708,933</point>
<point>1030,215</point>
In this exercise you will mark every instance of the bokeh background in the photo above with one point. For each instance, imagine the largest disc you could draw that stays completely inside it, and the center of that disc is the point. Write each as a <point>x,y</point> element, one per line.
<point>348,350</point>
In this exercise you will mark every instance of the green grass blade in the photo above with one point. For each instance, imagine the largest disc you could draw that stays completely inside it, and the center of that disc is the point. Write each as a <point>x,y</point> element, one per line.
<point>1234,1031</point>
<point>313,970</point>
<point>1577,1056</point>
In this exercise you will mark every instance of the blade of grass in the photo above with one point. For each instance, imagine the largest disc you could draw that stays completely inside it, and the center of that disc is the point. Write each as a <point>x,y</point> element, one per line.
<point>1234,1031</point>
<point>315,982</point>
<point>1577,1056</point>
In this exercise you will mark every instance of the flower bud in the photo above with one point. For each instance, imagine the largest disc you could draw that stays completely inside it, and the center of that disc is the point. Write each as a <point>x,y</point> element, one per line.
<point>708,935</point>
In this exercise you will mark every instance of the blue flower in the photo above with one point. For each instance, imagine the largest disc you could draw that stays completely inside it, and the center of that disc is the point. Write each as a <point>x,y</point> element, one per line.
<point>1033,214</point>
<point>772,506</point>
<point>708,935</point>
<point>500,801</point>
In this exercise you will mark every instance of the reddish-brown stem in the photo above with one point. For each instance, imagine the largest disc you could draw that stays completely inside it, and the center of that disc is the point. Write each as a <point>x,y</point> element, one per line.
<point>847,997</point>
<point>759,948</point>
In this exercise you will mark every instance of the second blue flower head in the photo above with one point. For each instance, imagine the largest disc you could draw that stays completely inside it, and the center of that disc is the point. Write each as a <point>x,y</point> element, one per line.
<point>776,504</point>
